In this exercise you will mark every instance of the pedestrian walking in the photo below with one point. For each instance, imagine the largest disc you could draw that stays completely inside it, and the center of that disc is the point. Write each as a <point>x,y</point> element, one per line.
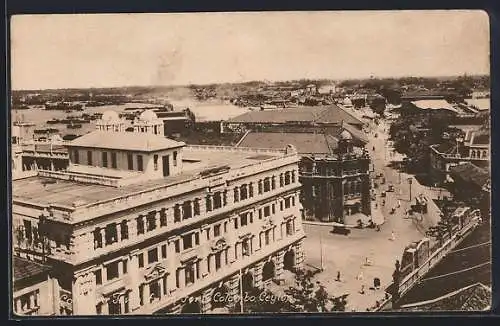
<point>393,236</point>
<point>399,203</point>
<point>360,276</point>
<point>338,276</point>
<point>362,289</point>
<point>378,228</point>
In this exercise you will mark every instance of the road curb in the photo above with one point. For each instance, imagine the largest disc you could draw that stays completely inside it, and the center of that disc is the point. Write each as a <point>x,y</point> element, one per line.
<point>332,224</point>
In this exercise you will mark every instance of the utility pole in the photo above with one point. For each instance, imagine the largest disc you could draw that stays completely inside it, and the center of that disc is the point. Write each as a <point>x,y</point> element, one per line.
<point>410,181</point>
<point>241,292</point>
<point>321,250</point>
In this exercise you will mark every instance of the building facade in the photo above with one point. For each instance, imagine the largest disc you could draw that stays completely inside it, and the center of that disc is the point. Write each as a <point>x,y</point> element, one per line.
<point>337,185</point>
<point>333,170</point>
<point>140,224</point>
<point>33,289</point>
<point>473,148</point>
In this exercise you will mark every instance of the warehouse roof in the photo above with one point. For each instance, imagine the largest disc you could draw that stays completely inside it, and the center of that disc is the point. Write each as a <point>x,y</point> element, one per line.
<point>306,143</point>
<point>313,114</point>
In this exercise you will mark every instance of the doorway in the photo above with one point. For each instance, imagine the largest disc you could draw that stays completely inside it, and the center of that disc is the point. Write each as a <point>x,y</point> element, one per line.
<point>166,165</point>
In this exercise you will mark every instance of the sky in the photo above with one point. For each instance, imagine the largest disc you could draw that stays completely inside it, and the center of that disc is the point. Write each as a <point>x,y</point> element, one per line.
<point>112,50</point>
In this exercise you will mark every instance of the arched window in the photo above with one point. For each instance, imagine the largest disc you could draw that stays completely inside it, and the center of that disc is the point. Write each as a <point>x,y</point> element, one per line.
<point>473,154</point>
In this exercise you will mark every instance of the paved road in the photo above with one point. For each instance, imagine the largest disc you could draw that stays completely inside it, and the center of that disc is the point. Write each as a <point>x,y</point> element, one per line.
<point>349,254</point>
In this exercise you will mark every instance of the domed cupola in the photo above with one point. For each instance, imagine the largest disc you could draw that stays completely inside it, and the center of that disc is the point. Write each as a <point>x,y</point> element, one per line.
<point>110,121</point>
<point>148,122</point>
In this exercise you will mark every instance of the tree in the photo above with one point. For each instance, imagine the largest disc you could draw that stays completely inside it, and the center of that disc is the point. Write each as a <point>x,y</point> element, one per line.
<point>304,297</point>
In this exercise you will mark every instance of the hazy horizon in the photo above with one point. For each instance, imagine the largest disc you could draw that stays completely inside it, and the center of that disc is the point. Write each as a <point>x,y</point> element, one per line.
<point>157,50</point>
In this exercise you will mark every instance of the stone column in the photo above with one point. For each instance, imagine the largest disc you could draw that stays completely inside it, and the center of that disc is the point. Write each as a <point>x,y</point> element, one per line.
<point>160,285</point>
<point>146,294</point>
<point>157,219</point>
<point>204,266</point>
<point>206,300</point>
<point>170,216</point>
<point>118,232</point>
<point>134,299</point>
<point>211,263</point>
<point>164,280</point>
<point>120,268</point>
<point>299,254</point>
<point>258,274</point>
<point>234,286</point>
<point>105,308</point>
<point>132,228</point>
<point>238,252</point>
<point>278,263</point>
<point>122,304</point>
<point>182,277</point>
<point>102,232</point>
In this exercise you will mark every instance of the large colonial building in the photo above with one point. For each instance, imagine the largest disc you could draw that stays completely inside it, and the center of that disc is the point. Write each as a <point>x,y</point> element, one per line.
<point>141,224</point>
<point>334,169</point>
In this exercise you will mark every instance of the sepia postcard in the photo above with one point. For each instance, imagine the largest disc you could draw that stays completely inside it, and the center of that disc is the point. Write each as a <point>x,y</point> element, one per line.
<point>250,162</point>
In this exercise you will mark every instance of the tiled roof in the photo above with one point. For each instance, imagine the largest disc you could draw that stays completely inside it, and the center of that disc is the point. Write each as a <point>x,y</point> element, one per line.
<point>306,143</point>
<point>317,114</point>
<point>125,141</point>
<point>481,138</point>
<point>476,297</point>
<point>468,172</point>
<point>23,268</point>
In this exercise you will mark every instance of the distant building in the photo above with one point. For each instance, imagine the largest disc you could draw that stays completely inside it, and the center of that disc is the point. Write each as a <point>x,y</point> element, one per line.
<point>34,291</point>
<point>334,171</point>
<point>148,122</point>
<point>177,122</point>
<point>311,89</point>
<point>324,116</point>
<point>110,121</point>
<point>142,224</point>
<point>474,148</point>
<point>327,89</point>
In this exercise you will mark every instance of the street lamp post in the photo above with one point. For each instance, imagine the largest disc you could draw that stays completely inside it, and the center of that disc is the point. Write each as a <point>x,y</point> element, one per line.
<point>410,181</point>
<point>321,250</point>
<point>399,172</point>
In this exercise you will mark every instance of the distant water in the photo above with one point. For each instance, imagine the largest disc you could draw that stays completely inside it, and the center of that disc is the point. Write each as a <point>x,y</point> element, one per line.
<point>204,111</point>
<point>210,110</point>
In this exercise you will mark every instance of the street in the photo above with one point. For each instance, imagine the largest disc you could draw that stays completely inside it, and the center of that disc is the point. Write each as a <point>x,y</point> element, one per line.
<point>366,254</point>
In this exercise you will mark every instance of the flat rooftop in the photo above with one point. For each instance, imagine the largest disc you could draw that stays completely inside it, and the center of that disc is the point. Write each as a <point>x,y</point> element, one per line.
<point>45,191</point>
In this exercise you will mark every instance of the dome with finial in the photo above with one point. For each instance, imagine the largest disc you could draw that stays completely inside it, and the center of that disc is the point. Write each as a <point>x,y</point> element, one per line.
<point>345,135</point>
<point>110,116</point>
<point>148,115</point>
